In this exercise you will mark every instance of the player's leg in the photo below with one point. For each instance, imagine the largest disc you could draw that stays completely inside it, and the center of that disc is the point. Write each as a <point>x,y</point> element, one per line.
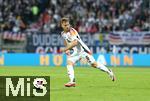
<point>105,69</point>
<point>91,60</point>
<point>70,70</point>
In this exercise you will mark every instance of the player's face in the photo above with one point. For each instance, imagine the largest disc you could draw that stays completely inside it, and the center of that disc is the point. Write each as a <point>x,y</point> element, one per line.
<point>65,26</point>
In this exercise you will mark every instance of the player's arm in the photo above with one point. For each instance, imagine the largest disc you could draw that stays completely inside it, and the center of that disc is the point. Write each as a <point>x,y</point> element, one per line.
<point>73,44</point>
<point>65,42</point>
<point>70,46</point>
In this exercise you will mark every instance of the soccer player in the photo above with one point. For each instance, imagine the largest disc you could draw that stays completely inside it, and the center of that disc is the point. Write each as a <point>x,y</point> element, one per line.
<point>76,49</point>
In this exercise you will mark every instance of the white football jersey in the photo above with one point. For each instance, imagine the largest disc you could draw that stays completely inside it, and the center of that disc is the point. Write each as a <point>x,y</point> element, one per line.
<point>71,36</point>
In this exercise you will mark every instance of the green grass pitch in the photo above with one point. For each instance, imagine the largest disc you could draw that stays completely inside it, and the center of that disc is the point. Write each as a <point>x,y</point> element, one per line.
<point>133,83</point>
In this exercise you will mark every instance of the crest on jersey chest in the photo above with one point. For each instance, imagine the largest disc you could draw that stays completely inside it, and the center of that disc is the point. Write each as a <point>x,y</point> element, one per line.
<point>67,37</point>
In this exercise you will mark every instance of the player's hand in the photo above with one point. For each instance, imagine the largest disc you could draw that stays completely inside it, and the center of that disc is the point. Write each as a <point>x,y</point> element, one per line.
<point>68,52</point>
<point>62,50</point>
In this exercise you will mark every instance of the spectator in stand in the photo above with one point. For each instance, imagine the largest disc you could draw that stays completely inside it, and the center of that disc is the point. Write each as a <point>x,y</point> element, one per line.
<point>86,15</point>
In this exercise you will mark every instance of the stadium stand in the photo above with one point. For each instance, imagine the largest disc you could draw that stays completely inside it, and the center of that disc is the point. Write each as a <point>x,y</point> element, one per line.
<point>85,15</point>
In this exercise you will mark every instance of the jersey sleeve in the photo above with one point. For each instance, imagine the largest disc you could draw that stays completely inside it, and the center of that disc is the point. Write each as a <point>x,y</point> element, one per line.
<point>83,45</point>
<point>74,34</point>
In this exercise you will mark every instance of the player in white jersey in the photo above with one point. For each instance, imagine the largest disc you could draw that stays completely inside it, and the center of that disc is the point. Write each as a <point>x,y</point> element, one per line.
<point>76,49</point>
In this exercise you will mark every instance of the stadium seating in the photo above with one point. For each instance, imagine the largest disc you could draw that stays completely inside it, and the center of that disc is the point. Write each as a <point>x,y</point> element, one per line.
<point>85,15</point>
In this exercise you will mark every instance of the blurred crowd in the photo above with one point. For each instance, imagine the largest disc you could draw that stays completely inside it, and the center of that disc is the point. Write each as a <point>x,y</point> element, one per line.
<point>85,15</point>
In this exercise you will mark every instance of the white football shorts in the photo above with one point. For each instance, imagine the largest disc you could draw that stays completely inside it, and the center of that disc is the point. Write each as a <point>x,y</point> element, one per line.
<point>82,55</point>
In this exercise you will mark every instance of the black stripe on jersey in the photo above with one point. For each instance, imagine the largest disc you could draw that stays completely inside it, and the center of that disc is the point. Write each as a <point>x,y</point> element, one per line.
<point>85,49</point>
<point>68,40</point>
<point>78,37</point>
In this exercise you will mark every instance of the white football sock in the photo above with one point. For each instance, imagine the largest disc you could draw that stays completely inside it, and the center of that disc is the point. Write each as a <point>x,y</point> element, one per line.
<point>103,67</point>
<point>70,71</point>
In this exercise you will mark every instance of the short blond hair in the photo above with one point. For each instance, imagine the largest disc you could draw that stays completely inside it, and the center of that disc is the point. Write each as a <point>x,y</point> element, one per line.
<point>64,19</point>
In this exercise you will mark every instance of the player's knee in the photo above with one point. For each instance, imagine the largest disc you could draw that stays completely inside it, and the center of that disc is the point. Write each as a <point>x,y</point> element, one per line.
<point>70,63</point>
<point>94,65</point>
